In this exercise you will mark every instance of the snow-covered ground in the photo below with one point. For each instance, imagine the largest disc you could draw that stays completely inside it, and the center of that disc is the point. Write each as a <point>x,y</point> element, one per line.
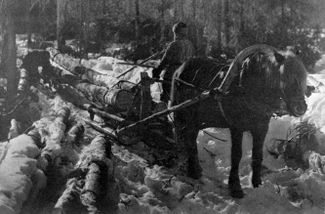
<point>284,190</point>
<point>154,189</point>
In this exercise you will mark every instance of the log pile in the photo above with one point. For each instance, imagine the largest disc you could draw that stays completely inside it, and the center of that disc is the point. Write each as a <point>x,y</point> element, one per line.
<point>34,163</point>
<point>81,70</point>
<point>298,150</point>
<point>96,88</point>
<point>53,148</point>
<point>94,188</point>
<point>21,178</point>
<point>119,104</point>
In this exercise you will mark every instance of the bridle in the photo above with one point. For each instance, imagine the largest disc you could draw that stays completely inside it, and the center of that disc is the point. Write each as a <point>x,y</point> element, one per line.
<point>277,94</point>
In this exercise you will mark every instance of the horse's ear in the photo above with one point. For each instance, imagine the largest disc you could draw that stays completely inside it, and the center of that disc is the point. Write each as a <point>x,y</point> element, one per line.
<point>279,57</point>
<point>294,49</point>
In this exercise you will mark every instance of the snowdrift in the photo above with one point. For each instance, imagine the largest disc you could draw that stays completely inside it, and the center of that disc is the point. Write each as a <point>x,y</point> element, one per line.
<point>146,188</point>
<point>20,176</point>
<point>285,190</point>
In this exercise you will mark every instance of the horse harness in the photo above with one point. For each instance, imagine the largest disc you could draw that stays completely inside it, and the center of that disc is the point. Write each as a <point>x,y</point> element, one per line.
<point>216,96</point>
<point>269,111</point>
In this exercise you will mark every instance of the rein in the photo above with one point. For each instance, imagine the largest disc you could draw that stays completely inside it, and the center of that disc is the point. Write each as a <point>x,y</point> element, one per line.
<point>249,103</point>
<point>217,97</point>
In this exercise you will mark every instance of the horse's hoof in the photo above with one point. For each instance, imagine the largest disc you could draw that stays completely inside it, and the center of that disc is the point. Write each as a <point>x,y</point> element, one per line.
<point>237,193</point>
<point>256,183</point>
<point>195,174</point>
<point>194,169</point>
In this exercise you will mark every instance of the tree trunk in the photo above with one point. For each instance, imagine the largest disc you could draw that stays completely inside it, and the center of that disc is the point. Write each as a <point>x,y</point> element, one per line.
<point>283,17</point>
<point>137,21</point>
<point>196,35</point>
<point>59,23</point>
<point>11,69</point>
<point>162,22</point>
<point>182,2</point>
<point>104,7</point>
<point>226,21</point>
<point>53,146</point>
<point>194,9</point>
<point>29,24</point>
<point>219,24</point>
<point>241,27</point>
<point>86,31</point>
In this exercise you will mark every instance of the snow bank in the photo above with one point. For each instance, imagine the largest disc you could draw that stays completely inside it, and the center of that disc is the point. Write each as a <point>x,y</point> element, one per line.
<point>19,174</point>
<point>153,189</point>
<point>111,68</point>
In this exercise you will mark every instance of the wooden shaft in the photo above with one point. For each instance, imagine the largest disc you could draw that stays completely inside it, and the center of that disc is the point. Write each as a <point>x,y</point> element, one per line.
<point>107,131</point>
<point>204,95</point>
<point>104,114</point>
<point>141,63</point>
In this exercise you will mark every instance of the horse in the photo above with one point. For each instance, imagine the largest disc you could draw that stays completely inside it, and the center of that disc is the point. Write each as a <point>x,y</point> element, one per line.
<point>261,82</point>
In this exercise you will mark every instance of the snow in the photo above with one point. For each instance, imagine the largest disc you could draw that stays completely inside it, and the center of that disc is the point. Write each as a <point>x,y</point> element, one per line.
<point>284,190</point>
<point>153,189</point>
<point>18,169</point>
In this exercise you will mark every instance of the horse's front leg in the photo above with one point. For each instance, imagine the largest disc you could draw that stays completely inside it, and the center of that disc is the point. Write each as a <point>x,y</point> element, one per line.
<point>257,154</point>
<point>236,154</point>
<point>186,131</point>
<point>194,169</point>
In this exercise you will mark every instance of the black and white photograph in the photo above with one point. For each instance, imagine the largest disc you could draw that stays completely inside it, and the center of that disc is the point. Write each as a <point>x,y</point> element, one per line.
<point>162,106</point>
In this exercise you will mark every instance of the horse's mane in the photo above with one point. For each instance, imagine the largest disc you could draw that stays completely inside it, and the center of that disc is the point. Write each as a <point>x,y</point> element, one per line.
<point>290,70</point>
<point>294,69</point>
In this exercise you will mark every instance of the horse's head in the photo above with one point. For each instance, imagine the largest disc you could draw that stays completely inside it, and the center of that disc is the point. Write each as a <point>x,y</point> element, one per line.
<point>275,77</point>
<point>292,82</point>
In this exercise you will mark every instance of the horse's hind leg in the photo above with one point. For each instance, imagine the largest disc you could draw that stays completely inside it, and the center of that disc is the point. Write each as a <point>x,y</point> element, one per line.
<point>257,153</point>
<point>236,154</point>
<point>186,123</point>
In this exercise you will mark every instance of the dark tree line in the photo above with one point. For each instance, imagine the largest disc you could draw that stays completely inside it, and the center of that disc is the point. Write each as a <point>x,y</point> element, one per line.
<point>216,26</point>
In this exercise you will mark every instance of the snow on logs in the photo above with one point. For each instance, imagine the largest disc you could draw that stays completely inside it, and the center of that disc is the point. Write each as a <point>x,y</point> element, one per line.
<point>67,71</point>
<point>94,188</point>
<point>303,147</point>
<point>20,177</point>
<point>76,67</point>
<point>53,148</point>
<point>118,99</point>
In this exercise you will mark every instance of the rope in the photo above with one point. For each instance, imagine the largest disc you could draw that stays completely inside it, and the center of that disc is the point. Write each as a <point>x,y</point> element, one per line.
<point>214,137</point>
<point>218,73</point>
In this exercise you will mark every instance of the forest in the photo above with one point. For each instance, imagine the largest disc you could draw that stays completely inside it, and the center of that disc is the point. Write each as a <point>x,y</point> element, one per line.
<point>87,125</point>
<point>216,26</point>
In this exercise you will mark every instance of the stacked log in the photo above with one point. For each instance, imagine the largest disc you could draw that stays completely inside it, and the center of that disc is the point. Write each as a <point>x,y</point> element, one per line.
<point>75,134</point>
<point>115,99</point>
<point>89,188</point>
<point>83,72</point>
<point>53,146</point>
<point>20,178</point>
<point>100,176</point>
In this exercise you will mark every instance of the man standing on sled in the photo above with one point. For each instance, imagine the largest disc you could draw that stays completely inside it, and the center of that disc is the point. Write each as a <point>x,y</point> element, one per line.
<point>177,52</point>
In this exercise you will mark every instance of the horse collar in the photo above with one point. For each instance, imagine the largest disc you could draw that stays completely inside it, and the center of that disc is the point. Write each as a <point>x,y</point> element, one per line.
<point>219,100</point>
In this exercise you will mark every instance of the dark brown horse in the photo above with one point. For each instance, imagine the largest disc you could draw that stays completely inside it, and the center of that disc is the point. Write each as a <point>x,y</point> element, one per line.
<point>264,80</point>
